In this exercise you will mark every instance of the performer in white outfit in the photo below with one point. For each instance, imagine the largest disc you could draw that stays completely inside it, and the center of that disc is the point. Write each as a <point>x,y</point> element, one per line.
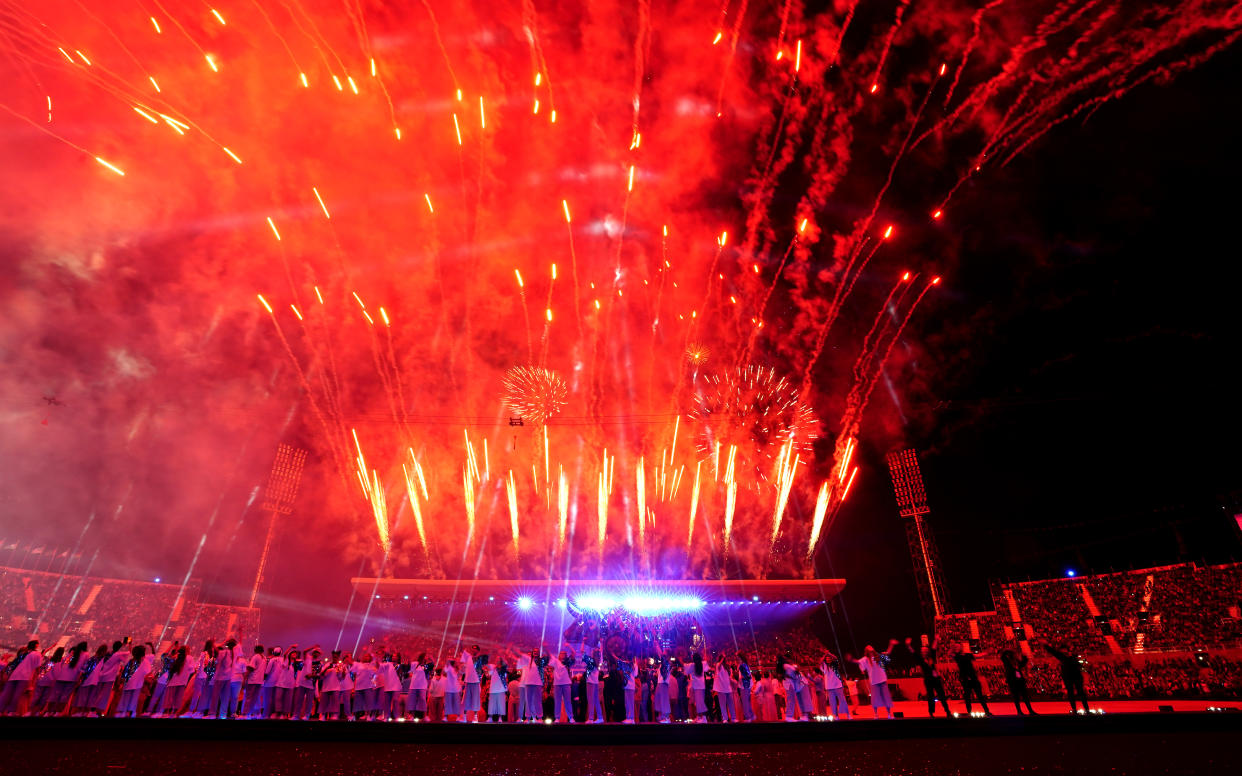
<point>470,678</point>
<point>24,667</point>
<point>134,675</point>
<point>873,665</point>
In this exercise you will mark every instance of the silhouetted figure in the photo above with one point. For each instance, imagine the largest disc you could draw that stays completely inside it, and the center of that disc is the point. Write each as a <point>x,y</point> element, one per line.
<point>933,683</point>
<point>1015,677</point>
<point>1071,674</point>
<point>971,686</point>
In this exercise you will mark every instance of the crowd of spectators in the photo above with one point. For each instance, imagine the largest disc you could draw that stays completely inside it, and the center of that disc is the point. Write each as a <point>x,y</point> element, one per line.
<point>56,608</point>
<point>1168,609</point>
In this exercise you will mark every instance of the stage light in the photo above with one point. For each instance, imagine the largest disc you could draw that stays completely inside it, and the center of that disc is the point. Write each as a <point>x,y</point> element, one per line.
<point>561,602</point>
<point>157,580</point>
<point>491,598</point>
<point>406,597</point>
<point>1070,573</point>
<point>524,603</point>
<point>595,602</point>
<point>660,604</point>
<point>754,598</point>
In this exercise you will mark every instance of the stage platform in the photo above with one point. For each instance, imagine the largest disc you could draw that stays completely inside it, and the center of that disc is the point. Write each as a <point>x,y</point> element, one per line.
<point>1187,742</point>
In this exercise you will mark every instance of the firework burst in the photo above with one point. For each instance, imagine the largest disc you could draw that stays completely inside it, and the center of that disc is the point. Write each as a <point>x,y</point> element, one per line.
<point>697,354</point>
<point>534,393</point>
<point>756,411</point>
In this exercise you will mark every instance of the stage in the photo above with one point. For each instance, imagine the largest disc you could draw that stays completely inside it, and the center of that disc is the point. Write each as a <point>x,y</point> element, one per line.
<point>1119,742</point>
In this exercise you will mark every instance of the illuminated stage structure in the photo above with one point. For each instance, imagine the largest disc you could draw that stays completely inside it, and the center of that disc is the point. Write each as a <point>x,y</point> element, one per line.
<point>442,614</point>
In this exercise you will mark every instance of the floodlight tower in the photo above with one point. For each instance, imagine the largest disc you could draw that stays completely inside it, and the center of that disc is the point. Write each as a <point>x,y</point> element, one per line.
<point>903,466</point>
<point>282,488</point>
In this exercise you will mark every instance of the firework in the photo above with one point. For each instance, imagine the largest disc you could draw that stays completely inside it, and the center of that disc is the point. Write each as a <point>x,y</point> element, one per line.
<point>754,410</point>
<point>678,278</point>
<point>534,393</point>
<point>697,354</point>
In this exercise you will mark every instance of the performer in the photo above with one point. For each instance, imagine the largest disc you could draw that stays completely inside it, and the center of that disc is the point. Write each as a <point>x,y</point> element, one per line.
<point>133,677</point>
<point>45,683</point>
<point>723,686</point>
<point>67,675</point>
<point>345,672</point>
<point>834,685</point>
<point>933,683</point>
<point>305,677</point>
<point>420,676</point>
<point>286,682</point>
<point>532,685</point>
<point>562,686</point>
<point>435,696</point>
<point>662,705</point>
<point>1071,675</point>
<point>745,680</point>
<point>256,669</point>
<point>237,677</point>
<point>21,672</point>
<point>108,674</point>
<point>271,676</point>
<point>180,674</point>
<point>223,679</point>
<point>873,665</point>
<point>683,691</point>
<point>805,695</point>
<point>698,686</point>
<point>595,711</point>
<point>969,677</point>
<point>84,698</point>
<point>793,682</point>
<point>674,690</point>
<point>470,662</point>
<point>364,687</point>
<point>161,670</point>
<point>497,691</point>
<point>452,691</point>
<point>389,687</point>
<point>628,671</point>
<point>1015,677</point>
<point>330,688</point>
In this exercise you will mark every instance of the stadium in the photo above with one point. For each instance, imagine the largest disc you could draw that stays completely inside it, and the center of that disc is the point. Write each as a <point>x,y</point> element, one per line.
<point>763,386</point>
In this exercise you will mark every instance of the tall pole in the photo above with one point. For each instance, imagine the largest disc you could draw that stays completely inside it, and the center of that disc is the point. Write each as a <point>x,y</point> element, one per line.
<point>282,489</point>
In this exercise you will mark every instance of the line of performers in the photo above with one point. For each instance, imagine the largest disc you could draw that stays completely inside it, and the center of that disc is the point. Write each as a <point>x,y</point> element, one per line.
<point>576,684</point>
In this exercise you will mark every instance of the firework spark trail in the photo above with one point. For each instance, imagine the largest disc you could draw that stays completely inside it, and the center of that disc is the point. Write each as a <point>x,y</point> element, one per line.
<point>903,284</point>
<point>880,328</point>
<point>694,505</point>
<point>530,343</point>
<point>787,471</point>
<point>511,493</point>
<point>1049,63</point>
<point>977,24</point>
<point>888,42</point>
<point>735,35</point>
<point>817,520</point>
<point>849,276</point>
<point>415,506</point>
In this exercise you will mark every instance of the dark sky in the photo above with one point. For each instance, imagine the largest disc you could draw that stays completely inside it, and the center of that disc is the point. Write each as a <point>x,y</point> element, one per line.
<point>1082,413</point>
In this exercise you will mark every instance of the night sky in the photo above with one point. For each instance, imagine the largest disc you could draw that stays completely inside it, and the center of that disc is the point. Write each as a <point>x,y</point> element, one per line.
<point>1080,410</point>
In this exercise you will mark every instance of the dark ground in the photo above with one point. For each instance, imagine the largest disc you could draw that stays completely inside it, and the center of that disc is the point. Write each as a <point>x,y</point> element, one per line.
<point>1111,745</point>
